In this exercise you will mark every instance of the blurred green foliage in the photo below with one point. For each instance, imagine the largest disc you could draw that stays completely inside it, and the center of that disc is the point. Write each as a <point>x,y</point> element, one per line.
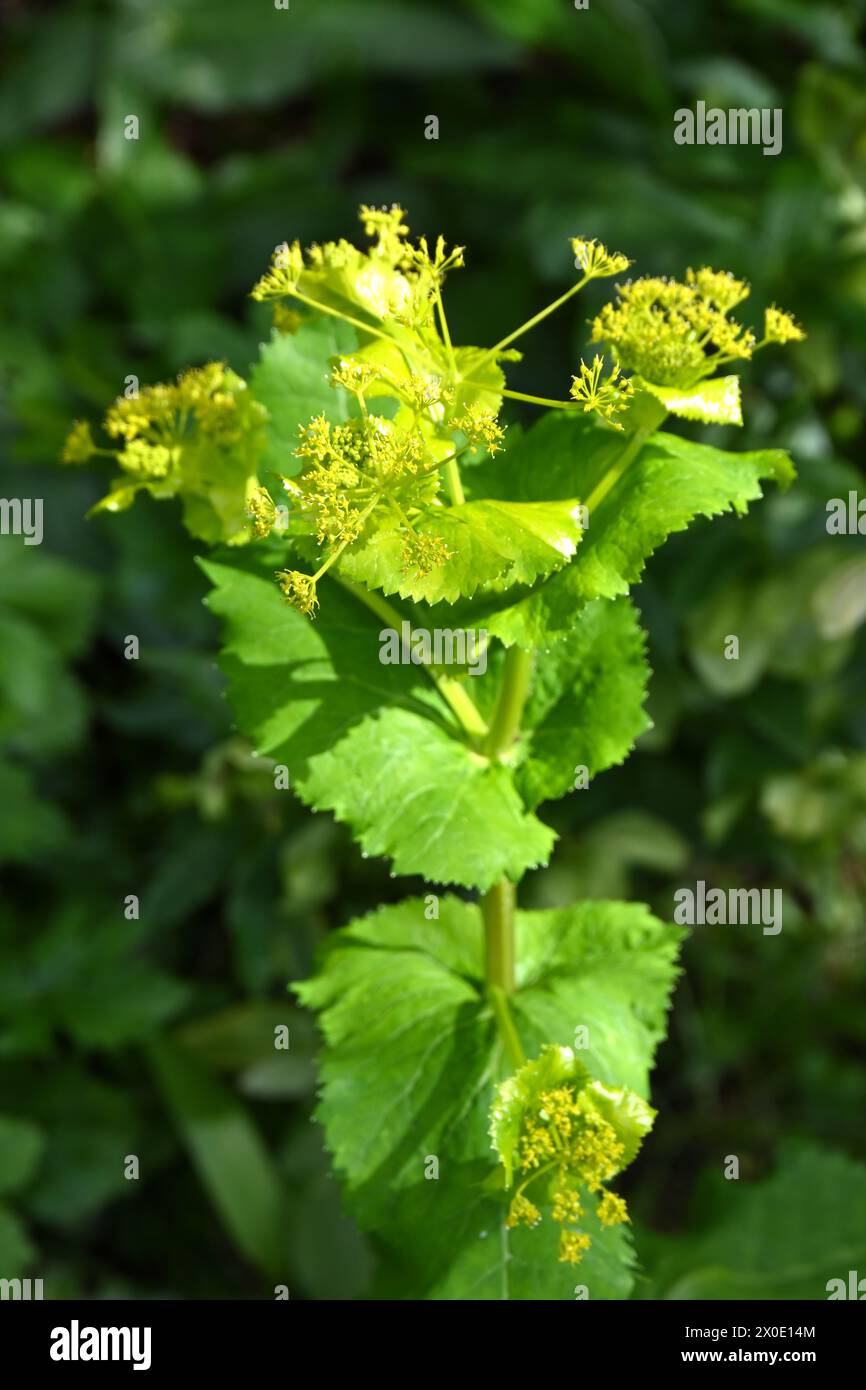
<point>154,1036</point>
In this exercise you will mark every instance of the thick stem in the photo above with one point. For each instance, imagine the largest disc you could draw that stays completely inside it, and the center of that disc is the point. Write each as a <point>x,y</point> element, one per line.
<point>505,724</point>
<point>452,478</point>
<point>497,910</point>
<point>498,903</point>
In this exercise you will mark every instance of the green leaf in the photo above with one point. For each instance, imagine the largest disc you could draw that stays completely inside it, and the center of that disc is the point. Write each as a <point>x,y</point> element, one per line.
<point>714,402</point>
<point>585,708</point>
<point>783,1238</point>
<point>232,1161</point>
<point>21,1145</point>
<point>375,744</point>
<point>412,1058</point>
<point>298,686</point>
<point>37,827</point>
<point>493,542</point>
<point>291,381</point>
<point>670,483</point>
<point>410,791</point>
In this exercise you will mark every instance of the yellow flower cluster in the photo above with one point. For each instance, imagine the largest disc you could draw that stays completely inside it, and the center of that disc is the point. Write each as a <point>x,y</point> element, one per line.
<point>393,280</point>
<point>151,424</point>
<point>780,327</point>
<point>354,469</point>
<point>595,260</point>
<point>299,589</point>
<point>79,445</point>
<point>145,460</point>
<point>348,465</point>
<point>423,553</point>
<point>522,1213</point>
<point>482,429</point>
<point>196,438</point>
<point>669,333</point>
<point>577,1148</point>
<point>674,334</point>
<point>261,512</point>
<point>606,398</point>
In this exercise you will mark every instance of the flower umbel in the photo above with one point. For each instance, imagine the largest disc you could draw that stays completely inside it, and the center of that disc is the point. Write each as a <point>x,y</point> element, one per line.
<point>675,335</point>
<point>79,445</point>
<point>780,327</point>
<point>299,589</point>
<point>482,429</point>
<point>605,398</point>
<point>595,260</point>
<point>564,1136</point>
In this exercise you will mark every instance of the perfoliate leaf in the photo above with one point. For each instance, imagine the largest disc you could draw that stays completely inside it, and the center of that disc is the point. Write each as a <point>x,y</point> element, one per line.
<point>670,483</point>
<point>714,402</point>
<point>628,1113</point>
<point>585,708</point>
<point>412,1059</point>
<point>493,543</point>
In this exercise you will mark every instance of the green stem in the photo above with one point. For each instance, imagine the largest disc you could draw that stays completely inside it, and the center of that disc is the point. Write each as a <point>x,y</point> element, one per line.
<point>522,396</point>
<point>497,911</point>
<point>452,691</point>
<point>452,478</point>
<point>530,323</point>
<point>498,903</point>
<point>505,724</point>
<point>338,314</point>
<point>507,1030</point>
<point>630,452</point>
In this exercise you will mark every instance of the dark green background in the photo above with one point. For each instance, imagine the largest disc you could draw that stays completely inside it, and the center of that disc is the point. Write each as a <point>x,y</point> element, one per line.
<point>118,777</point>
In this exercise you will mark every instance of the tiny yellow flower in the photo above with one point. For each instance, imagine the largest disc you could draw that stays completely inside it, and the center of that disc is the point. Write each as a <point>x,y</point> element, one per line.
<point>522,1213</point>
<point>79,445</point>
<point>261,511</point>
<point>481,428</point>
<point>780,327</point>
<point>605,398</point>
<point>718,287</point>
<point>145,460</point>
<point>572,1245</point>
<point>566,1206</point>
<point>423,553</point>
<point>595,260</point>
<point>299,589</point>
<point>612,1210</point>
<point>287,266</point>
